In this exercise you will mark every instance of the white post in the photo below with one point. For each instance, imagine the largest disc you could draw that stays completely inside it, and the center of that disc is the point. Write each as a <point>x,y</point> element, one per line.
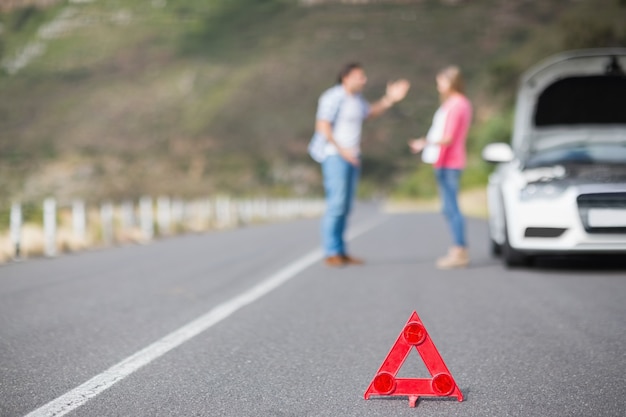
<point>128,215</point>
<point>208,213</point>
<point>50,226</point>
<point>147,222</point>
<point>240,209</point>
<point>265,209</point>
<point>217,207</point>
<point>106,220</point>
<point>223,211</point>
<point>194,218</point>
<point>164,215</point>
<point>178,214</point>
<point>79,220</point>
<point>254,212</point>
<point>16,228</point>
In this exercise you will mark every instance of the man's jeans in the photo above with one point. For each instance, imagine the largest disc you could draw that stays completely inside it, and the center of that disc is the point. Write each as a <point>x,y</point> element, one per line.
<point>340,182</point>
<point>448,182</point>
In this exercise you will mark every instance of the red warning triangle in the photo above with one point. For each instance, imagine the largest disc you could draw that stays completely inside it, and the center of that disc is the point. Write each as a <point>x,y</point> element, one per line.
<point>441,383</point>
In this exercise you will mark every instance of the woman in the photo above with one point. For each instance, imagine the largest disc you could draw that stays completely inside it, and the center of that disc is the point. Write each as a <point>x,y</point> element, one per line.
<point>444,147</point>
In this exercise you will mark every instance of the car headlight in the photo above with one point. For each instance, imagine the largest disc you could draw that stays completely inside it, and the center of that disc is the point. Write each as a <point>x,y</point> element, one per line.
<point>538,191</point>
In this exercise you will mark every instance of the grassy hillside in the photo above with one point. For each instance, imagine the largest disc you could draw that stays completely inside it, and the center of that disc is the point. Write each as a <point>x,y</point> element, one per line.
<point>126,97</point>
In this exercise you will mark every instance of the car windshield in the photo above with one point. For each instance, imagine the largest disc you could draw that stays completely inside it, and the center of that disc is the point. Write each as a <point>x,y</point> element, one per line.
<point>579,154</point>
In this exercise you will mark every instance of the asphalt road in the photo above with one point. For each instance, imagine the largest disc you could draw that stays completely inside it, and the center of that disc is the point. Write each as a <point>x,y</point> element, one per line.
<point>548,341</point>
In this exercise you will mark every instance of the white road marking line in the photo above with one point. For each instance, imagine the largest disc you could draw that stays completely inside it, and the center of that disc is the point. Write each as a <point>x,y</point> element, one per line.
<point>96,385</point>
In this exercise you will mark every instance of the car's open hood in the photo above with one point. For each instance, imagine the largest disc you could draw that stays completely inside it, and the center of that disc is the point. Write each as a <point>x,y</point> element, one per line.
<point>575,96</point>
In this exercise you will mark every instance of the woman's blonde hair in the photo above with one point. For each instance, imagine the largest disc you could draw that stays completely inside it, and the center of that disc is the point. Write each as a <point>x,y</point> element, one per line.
<point>453,74</point>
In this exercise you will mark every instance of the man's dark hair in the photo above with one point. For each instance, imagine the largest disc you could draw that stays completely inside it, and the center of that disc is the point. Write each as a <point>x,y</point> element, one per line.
<point>347,69</point>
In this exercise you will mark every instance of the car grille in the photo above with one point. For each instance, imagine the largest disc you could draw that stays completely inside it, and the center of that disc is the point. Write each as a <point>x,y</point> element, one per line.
<point>603,212</point>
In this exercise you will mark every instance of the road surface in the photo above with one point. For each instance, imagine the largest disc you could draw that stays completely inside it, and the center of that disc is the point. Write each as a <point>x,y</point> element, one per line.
<point>248,322</point>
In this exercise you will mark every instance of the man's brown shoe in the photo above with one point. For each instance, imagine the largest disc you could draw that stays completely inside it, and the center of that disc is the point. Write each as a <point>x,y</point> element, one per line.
<point>335,260</point>
<point>350,260</point>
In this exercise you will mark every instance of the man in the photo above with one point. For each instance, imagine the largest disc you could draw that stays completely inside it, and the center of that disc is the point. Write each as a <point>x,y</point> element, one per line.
<point>340,115</point>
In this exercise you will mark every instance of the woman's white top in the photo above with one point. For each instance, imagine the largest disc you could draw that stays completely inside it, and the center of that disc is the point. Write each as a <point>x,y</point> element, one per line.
<point>430,154</point>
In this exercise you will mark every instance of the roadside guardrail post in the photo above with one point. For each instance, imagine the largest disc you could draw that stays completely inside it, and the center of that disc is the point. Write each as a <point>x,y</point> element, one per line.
<point>146,217</point>
<point>79,221</point>
<point>16,229</point>
<point>128,215</point>
<point>106,222</point>
<point>50,226</point>
<point>164,215</point>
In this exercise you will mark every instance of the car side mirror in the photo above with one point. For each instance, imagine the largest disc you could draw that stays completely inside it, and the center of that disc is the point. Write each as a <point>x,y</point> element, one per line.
<point>498,153</point>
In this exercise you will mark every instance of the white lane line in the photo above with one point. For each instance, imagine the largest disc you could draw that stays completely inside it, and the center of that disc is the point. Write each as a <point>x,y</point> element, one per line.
<point>90,389</point>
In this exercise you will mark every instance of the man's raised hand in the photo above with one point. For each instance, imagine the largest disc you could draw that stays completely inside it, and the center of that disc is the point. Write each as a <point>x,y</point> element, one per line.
<point>397,90</point>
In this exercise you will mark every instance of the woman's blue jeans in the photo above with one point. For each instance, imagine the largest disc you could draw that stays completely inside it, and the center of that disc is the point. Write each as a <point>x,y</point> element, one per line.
<point>340,182</point>
<point>448,182</point>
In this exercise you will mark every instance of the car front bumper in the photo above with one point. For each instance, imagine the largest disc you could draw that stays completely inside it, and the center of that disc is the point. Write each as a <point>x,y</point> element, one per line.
<point>581,219</point>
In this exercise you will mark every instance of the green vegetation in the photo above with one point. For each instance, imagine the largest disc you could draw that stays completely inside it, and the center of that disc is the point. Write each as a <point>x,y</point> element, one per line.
<point>190,98</point>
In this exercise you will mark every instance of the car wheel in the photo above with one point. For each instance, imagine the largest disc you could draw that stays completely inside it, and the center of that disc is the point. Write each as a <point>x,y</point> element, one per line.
<point>495,249</point>
<point>512,257</point>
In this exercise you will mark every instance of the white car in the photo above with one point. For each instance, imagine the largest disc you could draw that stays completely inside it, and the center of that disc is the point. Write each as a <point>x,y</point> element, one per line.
<point>560,187</point>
